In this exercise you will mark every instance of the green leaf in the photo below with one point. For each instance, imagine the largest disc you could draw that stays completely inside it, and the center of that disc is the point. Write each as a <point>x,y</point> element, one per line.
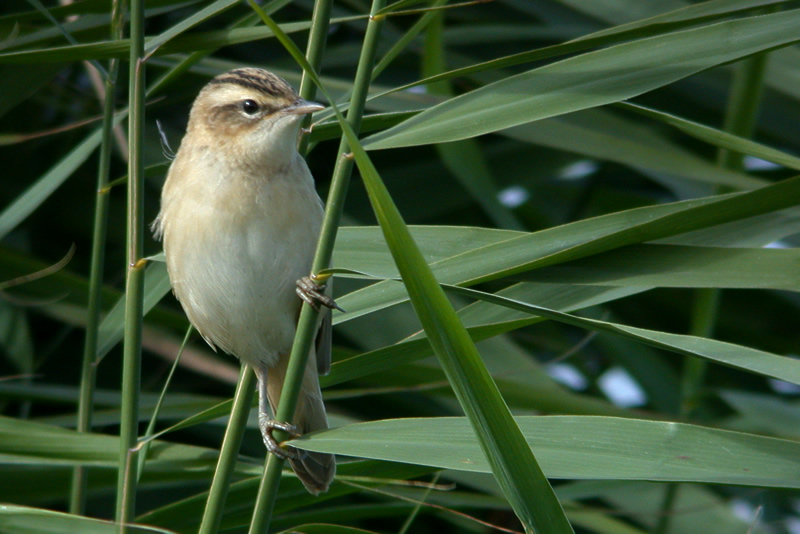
<point>597,133</point>
<point>580,447</point>
<point>204,14</point>
<point>512,462</point>
<point>592,79</point>
<point>322,528</point>
<point>26,442</point>
<point>680,266</point>
<point>40,521</point>
<point>684,17</point>
<point>188,42</point>
<point>36,194</point>
<point>719,138</point>
<point>484,321</point>
<point>581,239</point>
<point>746,358</point>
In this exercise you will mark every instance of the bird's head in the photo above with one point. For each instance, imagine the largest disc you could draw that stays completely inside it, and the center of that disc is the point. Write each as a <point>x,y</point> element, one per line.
<point>249,111</point>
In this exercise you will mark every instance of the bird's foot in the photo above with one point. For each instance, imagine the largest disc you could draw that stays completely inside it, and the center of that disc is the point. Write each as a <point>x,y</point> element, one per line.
<point>313,292</point>
<point>267,426</point>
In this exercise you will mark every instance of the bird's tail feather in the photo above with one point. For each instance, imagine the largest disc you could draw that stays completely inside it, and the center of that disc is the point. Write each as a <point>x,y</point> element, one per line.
<point>314,469</point>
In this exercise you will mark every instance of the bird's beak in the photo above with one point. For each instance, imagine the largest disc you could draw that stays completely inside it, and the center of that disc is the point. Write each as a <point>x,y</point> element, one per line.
<point>302,107</point>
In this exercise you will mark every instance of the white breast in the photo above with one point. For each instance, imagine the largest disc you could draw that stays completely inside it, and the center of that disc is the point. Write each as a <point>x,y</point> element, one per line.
<point>235,248</point>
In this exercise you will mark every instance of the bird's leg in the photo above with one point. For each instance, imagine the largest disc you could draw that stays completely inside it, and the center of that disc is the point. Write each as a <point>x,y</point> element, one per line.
<point>267,424</point>
<point>313,292</point>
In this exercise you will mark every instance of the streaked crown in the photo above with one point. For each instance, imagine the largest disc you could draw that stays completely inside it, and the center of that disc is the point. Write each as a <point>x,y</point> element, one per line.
<point>242,99</point>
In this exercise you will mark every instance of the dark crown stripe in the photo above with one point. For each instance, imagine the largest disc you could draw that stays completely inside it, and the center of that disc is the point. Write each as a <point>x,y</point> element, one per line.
<point>259,83</point>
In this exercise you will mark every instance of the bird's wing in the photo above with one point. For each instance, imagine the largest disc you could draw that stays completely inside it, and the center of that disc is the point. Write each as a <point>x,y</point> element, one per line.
<point>323,344</point>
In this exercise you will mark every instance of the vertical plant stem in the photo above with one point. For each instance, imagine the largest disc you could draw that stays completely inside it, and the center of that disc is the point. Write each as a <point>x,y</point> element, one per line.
<point>77,502</point>
<point>399,46</point>
<point>242,403</point>
<point>134,287</point>
<point>407,38</point>
<point>667,508</point>
<point>306,326</point>
<point>464,159</point>
<point>740,119</point>
<point>320,22</point>
<point>744,103</point>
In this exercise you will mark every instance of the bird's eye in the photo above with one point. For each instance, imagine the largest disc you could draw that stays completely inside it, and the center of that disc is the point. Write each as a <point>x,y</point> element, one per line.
<point>250,107</point>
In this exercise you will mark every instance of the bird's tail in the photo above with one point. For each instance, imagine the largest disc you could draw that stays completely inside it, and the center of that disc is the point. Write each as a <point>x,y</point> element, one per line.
<point>314,469</point>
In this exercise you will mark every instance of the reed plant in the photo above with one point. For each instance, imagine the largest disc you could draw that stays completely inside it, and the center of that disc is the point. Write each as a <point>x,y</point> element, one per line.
<point>564,234</point>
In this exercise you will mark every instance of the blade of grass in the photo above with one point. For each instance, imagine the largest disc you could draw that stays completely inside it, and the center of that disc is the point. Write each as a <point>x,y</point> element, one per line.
<point>516,255</point>
<point>31,520</point>
<point>189,42</point>
<point>668,22</point>
<point>208,12</point>
<point>38,6</point>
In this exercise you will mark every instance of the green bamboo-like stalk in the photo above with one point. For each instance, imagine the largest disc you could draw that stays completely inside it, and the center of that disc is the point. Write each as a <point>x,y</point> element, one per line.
<point>380,65</point>
<point>306,327</point>
<point>740,119</point>
<point>134,287</point>
<point>318,34</point>
<point>88,368</point>
<point>407,37</point>
<point>242,404</point>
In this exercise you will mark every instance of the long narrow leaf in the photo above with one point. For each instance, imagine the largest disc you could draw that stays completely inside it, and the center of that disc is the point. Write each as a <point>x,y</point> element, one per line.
<point>26,203</point>
<point>40,521</point>
<point>746,358</point>
<point>580,447</point>
<point>591,79</point>
<point>584,238</point>
<point>511,460</point>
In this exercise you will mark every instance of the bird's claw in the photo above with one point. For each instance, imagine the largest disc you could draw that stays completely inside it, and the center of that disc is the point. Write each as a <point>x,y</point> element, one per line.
<point>314,293</point>
<point>267,426</point>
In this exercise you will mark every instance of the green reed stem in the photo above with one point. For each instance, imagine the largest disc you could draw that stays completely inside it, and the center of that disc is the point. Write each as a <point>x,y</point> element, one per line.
<point>740,119</point>
<point>307,323</point>
<point>134,287</point>
<point>242,404</point>
<point>77,502</point>
<point>318,34</point>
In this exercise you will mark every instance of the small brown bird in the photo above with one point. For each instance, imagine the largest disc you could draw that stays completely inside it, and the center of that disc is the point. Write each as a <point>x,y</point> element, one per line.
<point>240,218</point>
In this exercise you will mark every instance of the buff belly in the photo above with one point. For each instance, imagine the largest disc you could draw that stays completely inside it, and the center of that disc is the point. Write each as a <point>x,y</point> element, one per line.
<point>238,287</point>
